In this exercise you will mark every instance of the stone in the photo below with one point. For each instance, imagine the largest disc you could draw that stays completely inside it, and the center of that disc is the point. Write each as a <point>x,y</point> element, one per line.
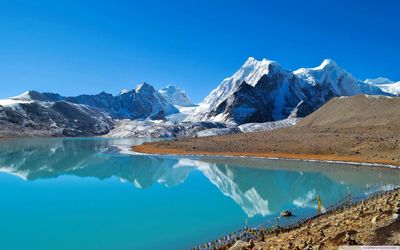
<point>374,220</point>
<point>286,213</point>
<point>239,245</point>
<point>396,216</point>
<point>251,243</point>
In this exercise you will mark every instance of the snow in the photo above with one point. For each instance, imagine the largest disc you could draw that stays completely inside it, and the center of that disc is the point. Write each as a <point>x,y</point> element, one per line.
<point>257,127</point>
<point>378,81</point>
<point>327,63</point>
<point>175,96</point>
<point>12,102</point>
<point>393,88</point>
<point>24,95</point>
<point>124,91</point>
<point>330,75</point>
<point>385,85</point>
<point>217,131</point>
<point>250,72</point>
<point>183,114</point>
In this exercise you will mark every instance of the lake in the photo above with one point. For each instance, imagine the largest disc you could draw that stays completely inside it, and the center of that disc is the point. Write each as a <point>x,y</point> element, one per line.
<point>95,194</point>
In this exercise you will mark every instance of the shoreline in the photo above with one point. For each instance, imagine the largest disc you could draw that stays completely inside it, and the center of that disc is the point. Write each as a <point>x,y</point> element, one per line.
<point>152,149</point>
<point>373,220</point>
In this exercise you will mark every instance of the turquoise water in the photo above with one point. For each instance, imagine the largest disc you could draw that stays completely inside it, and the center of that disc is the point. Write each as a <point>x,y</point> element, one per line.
<point>92,194</point>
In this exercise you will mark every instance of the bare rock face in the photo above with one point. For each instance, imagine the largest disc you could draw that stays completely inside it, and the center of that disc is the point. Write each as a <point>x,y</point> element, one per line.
<point>58,118</point>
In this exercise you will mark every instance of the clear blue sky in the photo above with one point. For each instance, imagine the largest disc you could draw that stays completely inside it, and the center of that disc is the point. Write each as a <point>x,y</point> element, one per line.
<point>74,47</point>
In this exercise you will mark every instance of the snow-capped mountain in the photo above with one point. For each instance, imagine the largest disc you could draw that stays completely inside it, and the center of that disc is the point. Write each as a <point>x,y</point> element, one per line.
<point>48,114</point>
<point>385,85</point>
<point>251,71</point>
<point>20,117</point>
<point>140,103</point>
<point>262,91</point>
<point>175,96</point>
<point>259,92</point>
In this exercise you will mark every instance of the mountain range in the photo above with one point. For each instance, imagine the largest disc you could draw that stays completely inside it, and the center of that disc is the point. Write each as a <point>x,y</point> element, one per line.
<point>259,92</point>
<point>262,91</point>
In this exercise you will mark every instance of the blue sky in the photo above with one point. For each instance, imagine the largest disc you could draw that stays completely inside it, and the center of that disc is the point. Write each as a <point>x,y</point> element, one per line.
<point>74,47</point>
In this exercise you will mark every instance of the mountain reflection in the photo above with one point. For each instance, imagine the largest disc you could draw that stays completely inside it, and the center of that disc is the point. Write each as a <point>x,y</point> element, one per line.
<point>259,187</point>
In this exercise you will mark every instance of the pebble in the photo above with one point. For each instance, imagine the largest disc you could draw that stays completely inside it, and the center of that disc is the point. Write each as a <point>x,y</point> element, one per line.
<point>396,216</point>
<point>374,220</point>
<point>251,243</point>
<point>239,245</point>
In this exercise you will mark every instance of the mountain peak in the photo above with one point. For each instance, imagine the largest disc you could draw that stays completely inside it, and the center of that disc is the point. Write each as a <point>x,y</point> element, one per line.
<point>144,87</point>
<point>251,61</point>
<point>378,81</point>
<point>124,91</point>
<point>327,63</point>
<point>175,95</point>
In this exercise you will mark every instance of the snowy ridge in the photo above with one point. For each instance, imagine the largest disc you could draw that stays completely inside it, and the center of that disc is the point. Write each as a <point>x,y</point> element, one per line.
<point>175,96</point>
<point>261,91</point>
<point>250,72</point>
<point>385,85</point>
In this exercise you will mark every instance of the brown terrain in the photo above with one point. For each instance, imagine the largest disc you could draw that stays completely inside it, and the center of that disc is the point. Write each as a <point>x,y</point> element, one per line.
<point>372,222</point>
<point>357,129</point>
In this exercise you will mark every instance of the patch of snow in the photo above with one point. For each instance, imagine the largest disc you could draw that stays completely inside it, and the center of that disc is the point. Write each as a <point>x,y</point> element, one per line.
<point>12,102</point>
<point>175,96</point>
<point>217,131</point>
<point>385,85</point>
<point>257,127</point>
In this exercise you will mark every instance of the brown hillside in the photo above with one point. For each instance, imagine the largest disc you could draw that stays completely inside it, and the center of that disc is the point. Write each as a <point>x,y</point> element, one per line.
<point>356,111</point>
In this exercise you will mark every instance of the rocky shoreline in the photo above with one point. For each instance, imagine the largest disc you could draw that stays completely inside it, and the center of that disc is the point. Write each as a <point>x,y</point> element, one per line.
<point>371,221</point>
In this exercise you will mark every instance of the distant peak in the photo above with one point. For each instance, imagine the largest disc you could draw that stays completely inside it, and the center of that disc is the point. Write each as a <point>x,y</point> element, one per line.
<point>170,87</point>
<point>328,63</point>
<point>378,81</point>
<point>252,61</point>
<point>143,86</point>
<point>24,95</point>
<point>124,91</point>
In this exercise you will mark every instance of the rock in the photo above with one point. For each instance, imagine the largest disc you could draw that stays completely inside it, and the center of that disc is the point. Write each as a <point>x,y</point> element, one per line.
<point>286,213</point>
<point>251,243</point>
<point>349,238</point>
<point>239,245</point>
<point>374,220</point>
<point>396,216</point>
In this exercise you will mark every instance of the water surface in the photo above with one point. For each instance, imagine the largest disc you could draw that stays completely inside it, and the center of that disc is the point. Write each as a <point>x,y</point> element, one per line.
<point>91,194</point>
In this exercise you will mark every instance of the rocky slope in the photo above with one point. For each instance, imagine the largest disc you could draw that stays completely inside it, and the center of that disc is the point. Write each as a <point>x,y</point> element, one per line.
<point>356,112</point>
<point>36,118</point>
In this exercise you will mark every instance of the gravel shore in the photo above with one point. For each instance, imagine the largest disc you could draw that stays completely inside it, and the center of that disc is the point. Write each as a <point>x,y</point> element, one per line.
<point>374,221</point>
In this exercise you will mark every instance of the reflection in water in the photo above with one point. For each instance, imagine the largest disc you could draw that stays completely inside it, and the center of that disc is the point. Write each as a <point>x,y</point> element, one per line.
<point>259,187</point>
